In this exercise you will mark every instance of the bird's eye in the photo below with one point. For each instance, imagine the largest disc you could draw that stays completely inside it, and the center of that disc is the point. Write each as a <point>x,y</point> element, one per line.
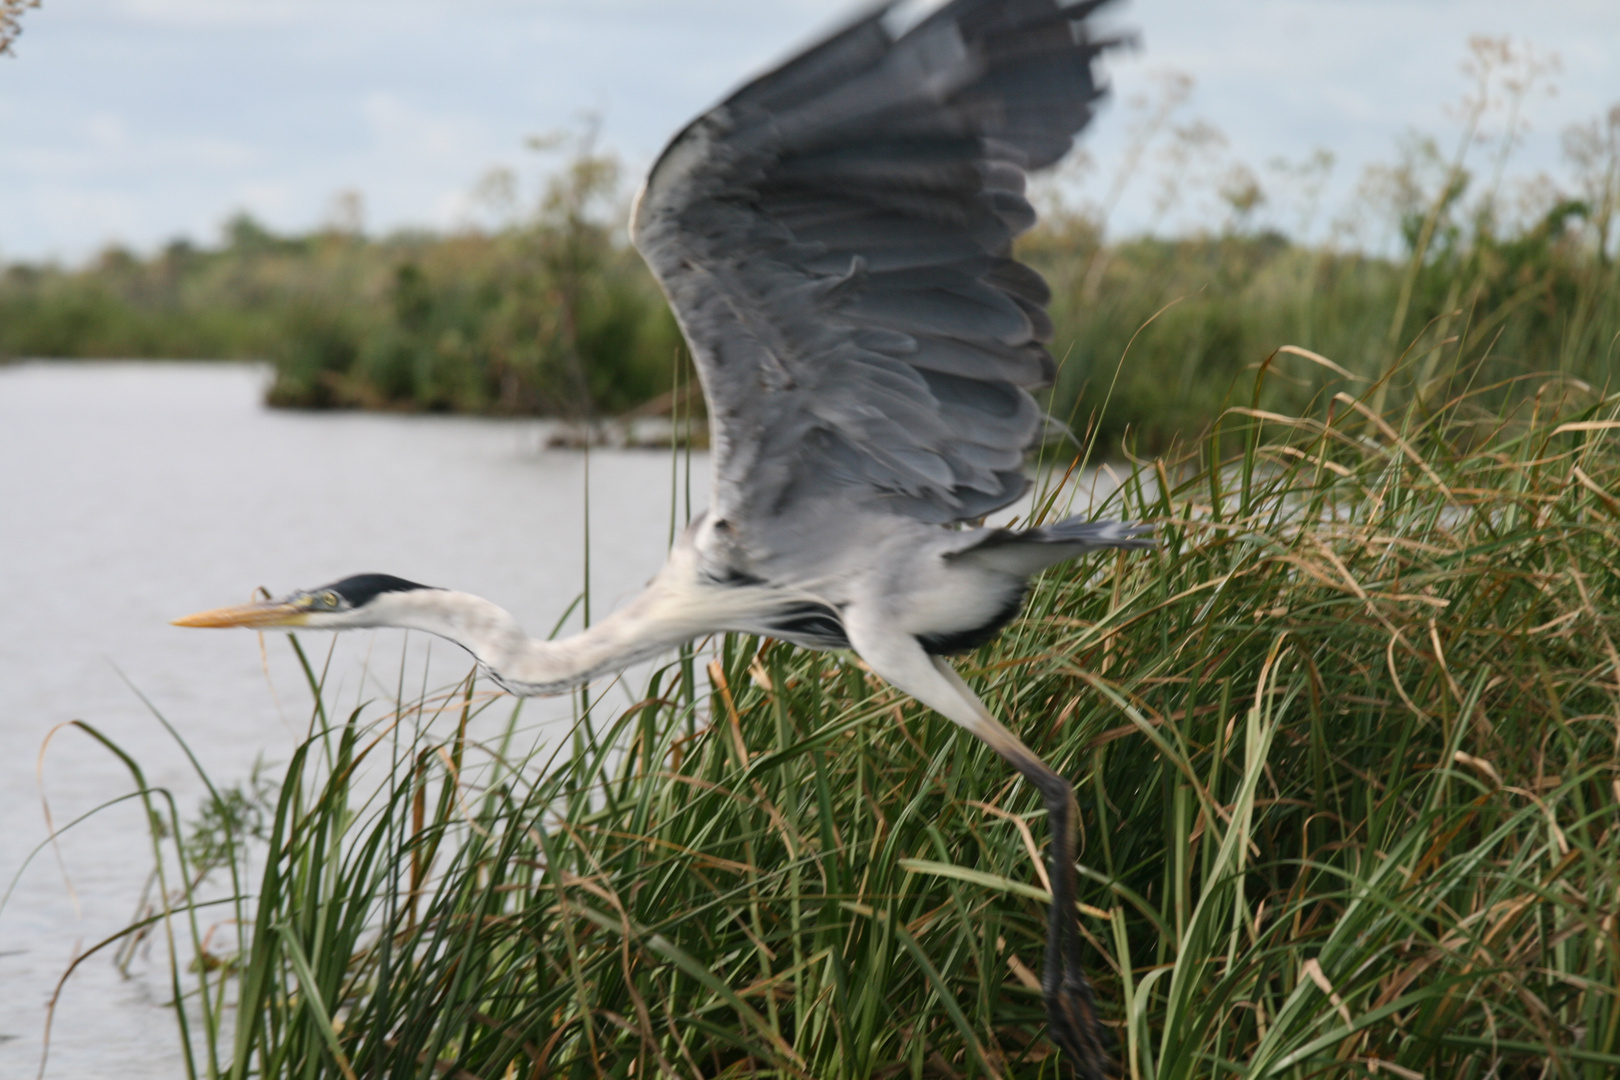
<point>328,599</point>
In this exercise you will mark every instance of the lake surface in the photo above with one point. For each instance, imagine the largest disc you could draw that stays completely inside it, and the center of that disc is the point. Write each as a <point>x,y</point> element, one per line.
<point>131,494</point>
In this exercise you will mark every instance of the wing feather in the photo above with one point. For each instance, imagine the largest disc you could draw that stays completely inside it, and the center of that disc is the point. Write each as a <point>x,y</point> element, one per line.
<point>835,239</point>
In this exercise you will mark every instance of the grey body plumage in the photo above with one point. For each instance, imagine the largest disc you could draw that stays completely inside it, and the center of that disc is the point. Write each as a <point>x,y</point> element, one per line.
<point>835,239</point>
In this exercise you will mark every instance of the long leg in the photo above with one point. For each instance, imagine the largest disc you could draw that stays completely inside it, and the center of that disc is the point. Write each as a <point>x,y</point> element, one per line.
<point>1070,1007</point>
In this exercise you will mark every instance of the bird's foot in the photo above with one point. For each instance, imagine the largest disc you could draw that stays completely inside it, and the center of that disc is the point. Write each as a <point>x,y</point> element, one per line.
<point>1072,1022</point>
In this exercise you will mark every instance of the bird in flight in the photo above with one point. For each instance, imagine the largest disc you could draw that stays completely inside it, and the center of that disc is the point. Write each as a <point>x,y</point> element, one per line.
<point>836,241</point>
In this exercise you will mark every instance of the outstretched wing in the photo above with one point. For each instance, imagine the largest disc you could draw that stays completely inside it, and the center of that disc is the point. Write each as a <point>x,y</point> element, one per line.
<point>836,240</point>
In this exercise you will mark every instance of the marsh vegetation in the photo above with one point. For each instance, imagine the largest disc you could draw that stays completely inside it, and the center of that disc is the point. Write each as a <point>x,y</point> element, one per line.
<point>1346,751</point>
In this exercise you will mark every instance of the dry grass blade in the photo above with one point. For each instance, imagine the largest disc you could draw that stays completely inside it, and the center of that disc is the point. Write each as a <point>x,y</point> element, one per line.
<point>11,12</point>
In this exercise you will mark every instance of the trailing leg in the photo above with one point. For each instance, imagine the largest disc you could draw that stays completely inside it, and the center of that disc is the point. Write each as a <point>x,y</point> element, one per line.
<point>1070,1008</point>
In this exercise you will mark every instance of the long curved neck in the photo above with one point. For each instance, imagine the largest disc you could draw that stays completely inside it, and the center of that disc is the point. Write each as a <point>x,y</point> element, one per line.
<point>528,666</point>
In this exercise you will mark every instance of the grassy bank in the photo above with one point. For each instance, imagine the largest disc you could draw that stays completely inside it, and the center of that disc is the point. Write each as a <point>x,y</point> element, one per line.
<point>1156,335</point>
<point>1346,749</point>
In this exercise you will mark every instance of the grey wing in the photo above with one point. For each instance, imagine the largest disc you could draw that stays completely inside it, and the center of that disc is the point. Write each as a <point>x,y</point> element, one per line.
<point>836,238</point>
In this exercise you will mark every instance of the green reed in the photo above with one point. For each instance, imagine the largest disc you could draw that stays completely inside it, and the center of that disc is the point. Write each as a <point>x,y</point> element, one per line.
<point>1345,746</point>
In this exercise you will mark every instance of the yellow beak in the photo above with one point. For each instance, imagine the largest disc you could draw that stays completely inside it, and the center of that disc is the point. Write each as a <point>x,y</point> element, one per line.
<point>257,616</point>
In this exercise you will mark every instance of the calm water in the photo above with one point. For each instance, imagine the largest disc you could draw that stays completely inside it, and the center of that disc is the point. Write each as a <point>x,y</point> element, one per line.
<point>134,493</point>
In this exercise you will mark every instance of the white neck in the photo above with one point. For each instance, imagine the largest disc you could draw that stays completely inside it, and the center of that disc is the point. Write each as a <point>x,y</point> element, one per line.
<point>523,665</point>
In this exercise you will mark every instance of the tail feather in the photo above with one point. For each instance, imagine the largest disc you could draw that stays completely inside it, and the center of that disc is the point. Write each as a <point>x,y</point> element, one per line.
<point>1028,551</point>
<point>1095,534</point>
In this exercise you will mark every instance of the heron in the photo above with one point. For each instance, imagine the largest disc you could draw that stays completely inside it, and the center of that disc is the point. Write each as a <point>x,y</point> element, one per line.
<point>835,239</point>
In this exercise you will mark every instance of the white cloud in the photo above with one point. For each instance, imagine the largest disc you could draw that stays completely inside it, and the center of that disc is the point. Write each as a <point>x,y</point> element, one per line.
<point>162,116</point>
<point>399,128</point>
<point>107,133</point>
<point>273,198</point>
<point>217,13</point>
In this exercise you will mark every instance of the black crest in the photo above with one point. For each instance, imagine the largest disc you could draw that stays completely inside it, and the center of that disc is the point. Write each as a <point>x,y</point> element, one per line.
<point>360,590</point>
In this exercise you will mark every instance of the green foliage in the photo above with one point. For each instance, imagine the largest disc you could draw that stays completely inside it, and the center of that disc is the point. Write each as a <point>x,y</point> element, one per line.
<point>1154,335</point>
<point>553,316</point>
<point>556,315</point>
<point>228,818</point>
<point>1345,750</point>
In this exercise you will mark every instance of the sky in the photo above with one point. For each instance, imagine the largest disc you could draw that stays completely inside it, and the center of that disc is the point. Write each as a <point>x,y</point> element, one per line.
<point>140,121</point>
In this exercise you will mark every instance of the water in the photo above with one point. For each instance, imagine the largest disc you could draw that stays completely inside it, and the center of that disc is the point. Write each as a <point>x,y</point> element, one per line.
<point>134,493</point>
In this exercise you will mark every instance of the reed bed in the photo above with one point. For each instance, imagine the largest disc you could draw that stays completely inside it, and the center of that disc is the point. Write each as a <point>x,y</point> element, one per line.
<point>1347,747</point>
